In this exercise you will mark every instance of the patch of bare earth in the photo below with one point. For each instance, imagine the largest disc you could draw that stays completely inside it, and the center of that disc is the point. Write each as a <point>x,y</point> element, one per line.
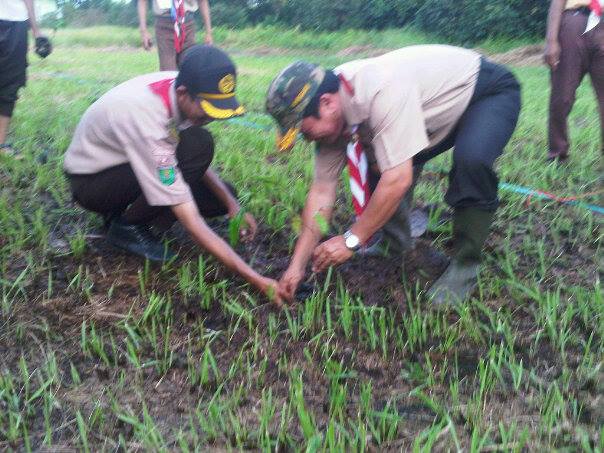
<point>521,56</point>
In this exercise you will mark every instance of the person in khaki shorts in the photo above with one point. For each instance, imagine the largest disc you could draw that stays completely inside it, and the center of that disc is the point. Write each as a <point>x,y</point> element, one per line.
<point>574,47</point>
<point>164,12</point>
<point>141,156</point>
<point>404,107</point>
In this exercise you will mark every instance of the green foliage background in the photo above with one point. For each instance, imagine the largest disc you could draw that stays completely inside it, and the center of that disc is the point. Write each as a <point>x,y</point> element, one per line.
<point>460,21</point>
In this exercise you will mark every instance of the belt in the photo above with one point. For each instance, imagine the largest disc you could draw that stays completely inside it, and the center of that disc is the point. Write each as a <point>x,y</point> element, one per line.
<point>189,15</point>
<point>581,10</point>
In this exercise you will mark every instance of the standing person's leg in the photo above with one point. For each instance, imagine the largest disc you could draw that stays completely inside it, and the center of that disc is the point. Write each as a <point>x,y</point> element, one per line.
<point>164,37</point>
<point>483,132</point>
<point>565,80</point>
<point>596,72</point>
<point>13,66</point>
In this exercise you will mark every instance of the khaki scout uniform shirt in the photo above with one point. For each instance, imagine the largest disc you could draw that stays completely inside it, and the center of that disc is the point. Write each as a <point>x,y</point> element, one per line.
<point>163,7</point>
<point>404,102</point>
<point>131,124</point>
<point>574,4</point>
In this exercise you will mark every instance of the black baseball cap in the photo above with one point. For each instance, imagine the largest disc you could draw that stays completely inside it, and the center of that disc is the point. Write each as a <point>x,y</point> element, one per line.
<point>209,75</point>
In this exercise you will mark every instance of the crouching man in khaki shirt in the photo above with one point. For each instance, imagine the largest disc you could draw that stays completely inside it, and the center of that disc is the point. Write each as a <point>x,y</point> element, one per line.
<point>403,108</point>
<point>140,153</point>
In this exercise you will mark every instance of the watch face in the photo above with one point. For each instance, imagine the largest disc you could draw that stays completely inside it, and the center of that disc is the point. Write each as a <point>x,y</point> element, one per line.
<point>352,241</point>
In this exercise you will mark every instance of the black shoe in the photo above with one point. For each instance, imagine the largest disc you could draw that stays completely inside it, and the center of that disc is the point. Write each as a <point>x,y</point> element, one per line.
<point>137,239</point>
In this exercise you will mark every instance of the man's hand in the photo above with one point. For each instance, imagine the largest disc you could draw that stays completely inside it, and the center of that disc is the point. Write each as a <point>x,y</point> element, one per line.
<point>208,39</point>
<point>248,234</point>
<point>551,55</point>
<point>188,215</point>
<point>248,227</point>
<point>146,40</point>
<point>289,282</point>
<point>271,289</point>
<point>329,253</point>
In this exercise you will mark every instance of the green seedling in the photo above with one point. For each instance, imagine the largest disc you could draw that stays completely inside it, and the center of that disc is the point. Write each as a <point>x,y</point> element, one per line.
<point>235,228</point>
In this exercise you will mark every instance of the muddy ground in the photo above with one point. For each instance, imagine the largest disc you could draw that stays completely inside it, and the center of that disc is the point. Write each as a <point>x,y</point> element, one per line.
<point>54,324</point>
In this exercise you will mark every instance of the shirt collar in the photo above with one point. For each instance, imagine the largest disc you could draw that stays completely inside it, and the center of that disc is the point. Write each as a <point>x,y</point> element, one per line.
<point>351,116</point>
<point>175,110</point>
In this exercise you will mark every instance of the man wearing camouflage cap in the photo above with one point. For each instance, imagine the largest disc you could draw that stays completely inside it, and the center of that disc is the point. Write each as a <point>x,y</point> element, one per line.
<point>387,116</point>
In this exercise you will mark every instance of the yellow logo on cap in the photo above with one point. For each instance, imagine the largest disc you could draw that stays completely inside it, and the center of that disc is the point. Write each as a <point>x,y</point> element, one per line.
<point>227,84</point>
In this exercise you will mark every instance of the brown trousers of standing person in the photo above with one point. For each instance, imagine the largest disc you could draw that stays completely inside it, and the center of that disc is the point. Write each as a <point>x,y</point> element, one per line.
<point>164,36</point>
<point>581,53</point>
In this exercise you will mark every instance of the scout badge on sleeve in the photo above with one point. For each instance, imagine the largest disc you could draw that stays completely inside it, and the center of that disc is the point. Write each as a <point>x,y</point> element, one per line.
<point>167,175</point>
<point>165,163</point>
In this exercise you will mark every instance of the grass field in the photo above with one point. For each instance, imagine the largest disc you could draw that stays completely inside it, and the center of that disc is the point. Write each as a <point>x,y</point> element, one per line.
<point>102,352</point>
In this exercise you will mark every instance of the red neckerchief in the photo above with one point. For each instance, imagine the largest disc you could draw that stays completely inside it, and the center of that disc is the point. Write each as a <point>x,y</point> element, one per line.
<point>162,89</point>
<point>357,163</point>
<point>179,16</point>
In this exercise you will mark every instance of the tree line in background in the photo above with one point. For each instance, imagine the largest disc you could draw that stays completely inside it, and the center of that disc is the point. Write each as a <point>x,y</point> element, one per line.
<point>461,21</point>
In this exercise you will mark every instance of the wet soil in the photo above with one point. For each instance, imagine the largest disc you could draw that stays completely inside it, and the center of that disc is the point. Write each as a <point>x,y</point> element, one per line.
<point>53,324</point>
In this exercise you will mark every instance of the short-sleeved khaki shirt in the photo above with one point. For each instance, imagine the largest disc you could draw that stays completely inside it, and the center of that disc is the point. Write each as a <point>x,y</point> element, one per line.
<point>132,124</point>
<point>404,102</point>
<point>163,7</point>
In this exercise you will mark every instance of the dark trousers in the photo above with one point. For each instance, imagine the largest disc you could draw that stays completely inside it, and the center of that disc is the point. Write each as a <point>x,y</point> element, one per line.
<point>13,63</point>
<point>116,192</point>
<point>164,37</point>
<point>580,54</point>
<point>479,138</point>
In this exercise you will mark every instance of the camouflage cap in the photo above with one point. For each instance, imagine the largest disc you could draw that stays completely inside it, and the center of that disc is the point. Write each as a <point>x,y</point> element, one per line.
<point>288,95</point>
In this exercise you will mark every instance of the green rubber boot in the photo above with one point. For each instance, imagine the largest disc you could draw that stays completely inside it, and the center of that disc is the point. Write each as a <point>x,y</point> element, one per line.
<point>470,230</point>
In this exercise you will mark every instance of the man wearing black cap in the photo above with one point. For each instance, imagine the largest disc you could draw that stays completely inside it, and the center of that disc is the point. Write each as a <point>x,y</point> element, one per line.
<point>140,154</point>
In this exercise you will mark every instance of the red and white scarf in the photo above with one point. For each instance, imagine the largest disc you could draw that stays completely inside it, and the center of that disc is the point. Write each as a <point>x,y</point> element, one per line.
<point>358,168</point>
<point>179,15</point>
<point>596,13</point>
<point>358,171</point>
